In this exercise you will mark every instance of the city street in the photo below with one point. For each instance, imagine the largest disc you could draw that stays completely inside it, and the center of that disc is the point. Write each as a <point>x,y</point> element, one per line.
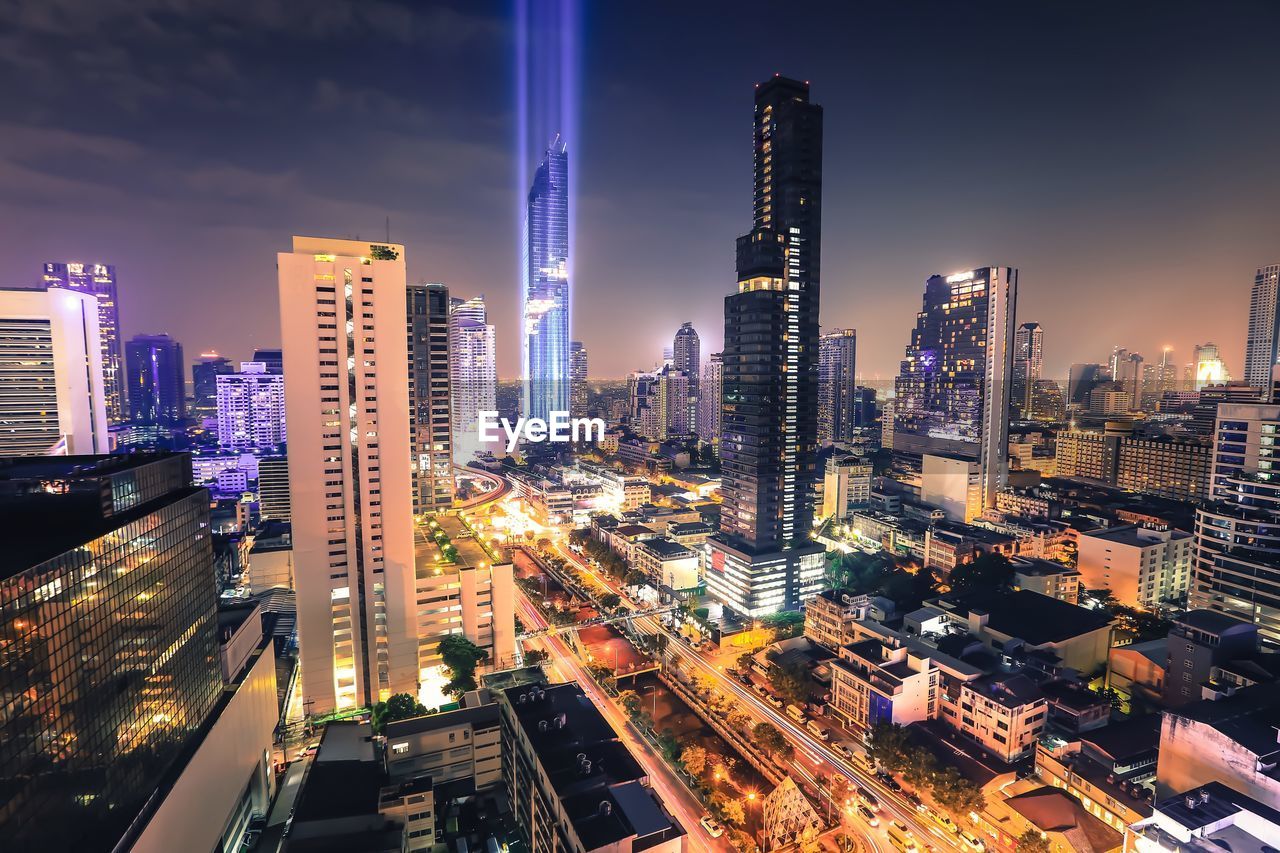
<point>671,790</point>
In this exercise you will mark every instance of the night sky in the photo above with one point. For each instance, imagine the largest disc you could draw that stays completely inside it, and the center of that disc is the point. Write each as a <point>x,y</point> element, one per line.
<point>1123,155</point>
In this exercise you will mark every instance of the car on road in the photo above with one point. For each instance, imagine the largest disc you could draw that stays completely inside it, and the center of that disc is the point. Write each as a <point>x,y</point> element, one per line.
<point>761,689</point>
<point>946,823</point>
<point>867,798</point>
<point>901,837</point>
<point>868,815</point>
<point>714,829</point>
<point>972,842</point>
<point>888,781</point>
<point>796,713</point>
<point>774,701</point>
<point>817,731</point>
<point>844,750</point>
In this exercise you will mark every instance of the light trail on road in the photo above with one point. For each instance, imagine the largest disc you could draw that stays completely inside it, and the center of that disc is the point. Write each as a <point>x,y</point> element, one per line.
<point>669,787</point>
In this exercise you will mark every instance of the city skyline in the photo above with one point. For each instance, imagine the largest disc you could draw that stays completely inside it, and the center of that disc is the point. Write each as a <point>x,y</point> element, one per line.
<point>238,199</point>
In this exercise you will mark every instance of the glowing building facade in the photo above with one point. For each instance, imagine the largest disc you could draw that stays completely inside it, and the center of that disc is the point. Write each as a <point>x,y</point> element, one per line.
<point>342,323</point>
<point>837,354</point>
<point>762,559</point>
<point>544,292</point>
<point>100,280</point>
<point>473,374</point>
<point>953,387</point>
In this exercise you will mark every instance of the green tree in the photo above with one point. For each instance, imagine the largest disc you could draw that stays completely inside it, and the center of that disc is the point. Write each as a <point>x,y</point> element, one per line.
<point>533,657</point>
<point>399,706</point>
<point>771,740</point>
<point>988,571</point>
<point>460,656</point>
<point>956,793</point>
<point>919,768</point>
<point>694,759</point>
<point>728,809</point>
<point>630,702</point>
<point>669,745</point>
<point>785,624</point>
<point>1032,841</point>
<point>746,660</point>
<point>888,746</point>
<point>739,721</point>
<point>790,681</point>
<point>635,577</point>
<point>610,600</point>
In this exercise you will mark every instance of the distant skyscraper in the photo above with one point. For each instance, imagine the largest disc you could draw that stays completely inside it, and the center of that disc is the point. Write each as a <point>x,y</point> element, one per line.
<point>347,403</point>
<point>1209,367</point>
<point>430,430</point>
<point>953,388</point>
<point>1126,372</point>
<point>52,392</point>
<point>673,404</point>
<point>110,641</point>
<point>837,351</point>
<point>709,390</point>
<point>644,412</point>
<point>578,379</point>
<point>544,293</point>
<point>1264,321</point>
<point>686,356</point>
<point>100,280</point>
<point>157,381</point>
<point>273,488</point>
<point>251,408</point>
<point>762,560</point>
<point>1081,380</point>
<point>1028,361</point>
<point>204,381</point>
<point>272,358</point>
<point>473,374</point>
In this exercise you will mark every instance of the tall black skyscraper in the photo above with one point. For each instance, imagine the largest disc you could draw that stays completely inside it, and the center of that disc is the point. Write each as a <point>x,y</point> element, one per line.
<point>762,558</point>
<point>157,386</point>
<point>429,414</point>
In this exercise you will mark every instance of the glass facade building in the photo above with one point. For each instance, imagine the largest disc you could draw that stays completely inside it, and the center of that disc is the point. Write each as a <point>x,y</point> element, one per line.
<point>429,398</point>
<point>544,291</point>
<point>157,387</point>
<point>108,641</point>
<point>100,280</point>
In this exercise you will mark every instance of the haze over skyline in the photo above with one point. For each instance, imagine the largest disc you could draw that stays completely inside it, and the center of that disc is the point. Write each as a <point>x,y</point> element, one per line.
<point>186,141</point>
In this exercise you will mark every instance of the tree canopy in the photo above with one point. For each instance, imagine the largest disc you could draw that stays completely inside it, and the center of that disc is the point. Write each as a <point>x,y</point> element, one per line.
<point>399,706</point>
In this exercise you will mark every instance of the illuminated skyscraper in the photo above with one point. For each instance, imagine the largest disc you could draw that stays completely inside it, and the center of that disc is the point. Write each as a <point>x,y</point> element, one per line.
<point>578,379</point>
<point>709,389</point>
<point>544,291</point>
<point>342,323</point>
<point>473,374</point>
<point>686,356</point>
<point>52,398</point>
<point>204,381</point>
<point>100,280</point>
<point>429,398</point>
<point>157,381</point>
<point>1208,366</point>
<point>1028,360</point>
<point>763,560</point>
<point>953,387</point>
<point>837,351</point>
<point>1264,319</point>
<point>251,408</point>
<point>272,358</point>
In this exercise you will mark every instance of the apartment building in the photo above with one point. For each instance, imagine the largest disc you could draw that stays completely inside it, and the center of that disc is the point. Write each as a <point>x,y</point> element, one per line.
<point>1142,566</point>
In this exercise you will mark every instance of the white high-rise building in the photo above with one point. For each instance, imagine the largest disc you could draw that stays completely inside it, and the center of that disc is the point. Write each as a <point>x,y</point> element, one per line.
<point>1264,316</point>
<point>342,310</point>
<point>473,369</point>
<point>709,402</point>
<point>52,396</point>
<point>251,408</point>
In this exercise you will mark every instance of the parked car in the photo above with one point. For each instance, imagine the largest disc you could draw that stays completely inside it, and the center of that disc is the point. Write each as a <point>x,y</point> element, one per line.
<point>760,688</point>
<point>774,701</point>
<point>844,750</point>
<point>817,731</point>
<point>946,823</point>
<point>714,829</point>
<point>888,781</point>
<point>972,842</point>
